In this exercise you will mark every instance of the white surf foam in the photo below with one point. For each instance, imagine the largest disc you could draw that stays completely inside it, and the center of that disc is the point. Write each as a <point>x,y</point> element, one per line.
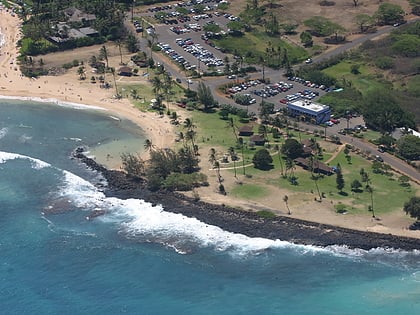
<point>36,163</point>
<point>143,222</point>
<point>52,101</point>
<point>3,132</point>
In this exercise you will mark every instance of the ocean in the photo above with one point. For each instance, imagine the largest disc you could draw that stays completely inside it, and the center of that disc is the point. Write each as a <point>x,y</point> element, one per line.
<point>139,259</point>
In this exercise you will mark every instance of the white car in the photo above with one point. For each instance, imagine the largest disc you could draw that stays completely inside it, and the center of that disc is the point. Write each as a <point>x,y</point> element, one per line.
<point>308,61</point>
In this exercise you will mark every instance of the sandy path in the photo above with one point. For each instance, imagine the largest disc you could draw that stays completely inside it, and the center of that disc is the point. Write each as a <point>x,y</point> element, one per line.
<point>68,88</point>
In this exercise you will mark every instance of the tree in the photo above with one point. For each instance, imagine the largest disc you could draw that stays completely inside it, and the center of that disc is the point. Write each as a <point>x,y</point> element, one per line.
<point>131,43</point>
<point>364,21</point>
<point>339,180</point>
<point>382,112</point>
<point>355,185</point>
<point>412,207</point>
<point>233,157</point>
<point>266,109</point>
<point>407,45</point>
<point>369,189</point>
<point>262,160</point>
<point>286,201</point>
<point>81,72</point>
<point>103,55</point>
<point>320,26</point>
<point>409,147</point>
<point>306,39</point>
<point>356,3</point>
<point>148,145</point>
<point>404,180</point>
<point>205,96</point>
<point>133,165</point>
<point>278,149</point>
<point>115,82</point>
<point>312,163</point>
<point>389,13</point>
<point>292,148</point>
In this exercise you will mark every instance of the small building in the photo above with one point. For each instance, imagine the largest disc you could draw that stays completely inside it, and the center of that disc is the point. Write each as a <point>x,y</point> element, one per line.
<point>76,15</point>
<point>318,166</point>
<point>309,111</point>
<point>245,131</point>
<point>308,147</point>
<point>125,71</point>
<point>257,139</point>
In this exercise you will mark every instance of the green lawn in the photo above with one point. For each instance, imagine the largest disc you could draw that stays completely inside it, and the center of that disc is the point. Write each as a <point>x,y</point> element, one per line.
<point>249,191</point>
<point>254,44</point>
<point>213,132</point>
<point>365,81</point>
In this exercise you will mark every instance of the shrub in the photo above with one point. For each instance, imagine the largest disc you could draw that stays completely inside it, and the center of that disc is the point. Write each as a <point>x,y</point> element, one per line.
<point>340,208</point>
<point>384,62</point>
<point>266,214</point>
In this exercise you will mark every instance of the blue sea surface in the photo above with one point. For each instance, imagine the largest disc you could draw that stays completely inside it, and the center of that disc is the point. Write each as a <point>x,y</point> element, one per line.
<point>139,259</point>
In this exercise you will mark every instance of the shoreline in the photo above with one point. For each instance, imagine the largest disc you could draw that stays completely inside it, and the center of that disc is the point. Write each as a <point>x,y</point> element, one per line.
<point>284,228</point>
<point>69,90</point>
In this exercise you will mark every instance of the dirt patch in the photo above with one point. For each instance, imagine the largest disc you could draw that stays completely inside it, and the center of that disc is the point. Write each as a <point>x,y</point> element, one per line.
<point>57,59</point>
<point>342,13</point>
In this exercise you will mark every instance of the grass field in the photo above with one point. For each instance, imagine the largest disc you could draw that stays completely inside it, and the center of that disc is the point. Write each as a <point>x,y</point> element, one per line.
<point>259,183</point>
<point>365,81</point>
<point>254,44</point>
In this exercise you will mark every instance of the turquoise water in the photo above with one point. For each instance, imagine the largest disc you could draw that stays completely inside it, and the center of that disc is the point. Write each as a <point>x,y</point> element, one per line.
<point>139,259</point>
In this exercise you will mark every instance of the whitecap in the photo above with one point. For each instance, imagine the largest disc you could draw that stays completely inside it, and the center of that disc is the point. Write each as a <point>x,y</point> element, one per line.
<point>3,132</point>
<point>52,101</point>
<point>35,163</point>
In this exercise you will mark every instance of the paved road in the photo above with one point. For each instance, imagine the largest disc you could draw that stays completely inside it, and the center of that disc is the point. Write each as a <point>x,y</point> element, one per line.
<point>165,35</point>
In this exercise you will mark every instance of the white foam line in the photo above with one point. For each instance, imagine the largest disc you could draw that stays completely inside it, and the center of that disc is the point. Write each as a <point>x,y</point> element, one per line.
<point>52,101</point>
<point>37,164</point>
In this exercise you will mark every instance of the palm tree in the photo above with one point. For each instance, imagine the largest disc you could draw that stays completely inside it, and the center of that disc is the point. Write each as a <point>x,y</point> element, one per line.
<point>312,162</point>
<point>167,86</point>
<point>157,86</point>
<point>232,154</point>
<point>103,55</point>
<point>148,145</point>
<point>81,73</point>
<point>286,201</point>
<point>369,189</point>
<point>119,43</point>
<point>134,94</point>
<point>115,82</point>
<point>278,149</point>
<point>190,134</point>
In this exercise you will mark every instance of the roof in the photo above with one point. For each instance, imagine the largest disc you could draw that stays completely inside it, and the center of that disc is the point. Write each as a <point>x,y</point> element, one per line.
<point>246,128</point>
<point>317,165</point>
<point>125,69</point>
<point>257,138</point>
<point>76,15</point>
<point>308,105</point>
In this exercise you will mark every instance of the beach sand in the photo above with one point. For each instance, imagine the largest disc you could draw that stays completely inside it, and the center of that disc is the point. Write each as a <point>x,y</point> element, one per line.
<point>68,88</point>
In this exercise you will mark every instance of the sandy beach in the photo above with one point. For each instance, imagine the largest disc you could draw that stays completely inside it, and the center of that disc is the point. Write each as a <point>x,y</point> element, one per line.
<point>67,88</point>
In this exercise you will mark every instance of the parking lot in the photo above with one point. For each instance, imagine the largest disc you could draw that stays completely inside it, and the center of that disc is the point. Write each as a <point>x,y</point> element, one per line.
<point>187,46</point>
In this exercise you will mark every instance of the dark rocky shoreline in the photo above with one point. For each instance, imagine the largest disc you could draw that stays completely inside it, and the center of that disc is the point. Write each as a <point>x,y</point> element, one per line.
<point>246,222</point>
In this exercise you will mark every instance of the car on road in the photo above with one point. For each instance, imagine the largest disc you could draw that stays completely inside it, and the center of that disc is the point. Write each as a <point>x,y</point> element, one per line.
<point>308,61</point>
<point>379,158</point>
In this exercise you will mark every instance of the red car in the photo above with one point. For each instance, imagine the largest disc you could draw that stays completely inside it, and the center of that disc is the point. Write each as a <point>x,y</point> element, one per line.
<point>284,101</point>
<point>335,121</point>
